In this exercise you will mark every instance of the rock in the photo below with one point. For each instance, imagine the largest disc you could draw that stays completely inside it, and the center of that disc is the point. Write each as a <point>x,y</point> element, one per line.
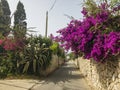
<point>119,76</point>
<point>113,78</point>
<point>116,87</point>
<point>119,80</point>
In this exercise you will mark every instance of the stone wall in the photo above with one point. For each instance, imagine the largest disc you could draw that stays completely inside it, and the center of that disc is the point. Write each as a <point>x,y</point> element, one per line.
<point>54,64</point>
<point>101,76</point>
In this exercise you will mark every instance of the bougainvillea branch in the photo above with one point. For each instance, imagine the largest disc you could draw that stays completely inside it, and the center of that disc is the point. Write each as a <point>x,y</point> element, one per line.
<point>97,36</point>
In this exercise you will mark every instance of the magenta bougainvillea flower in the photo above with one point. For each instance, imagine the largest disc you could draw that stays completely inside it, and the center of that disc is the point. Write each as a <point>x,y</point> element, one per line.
<point>9,44</point>
<point>1,42</point>
<point>84,11</point>
<point>95,35</point>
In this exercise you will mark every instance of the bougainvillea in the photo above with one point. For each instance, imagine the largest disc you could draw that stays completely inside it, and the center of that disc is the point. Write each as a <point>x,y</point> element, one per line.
<point>97,36</point>
<point>10,44</point>
<point>1,41</point>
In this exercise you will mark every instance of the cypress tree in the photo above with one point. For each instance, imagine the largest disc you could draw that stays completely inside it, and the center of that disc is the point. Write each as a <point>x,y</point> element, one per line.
<point>4,17</point>
<point>5,7</point>
<point>6,12</point>
<point>1,12</point>
<point>20,25</point>
<point>20,15</point>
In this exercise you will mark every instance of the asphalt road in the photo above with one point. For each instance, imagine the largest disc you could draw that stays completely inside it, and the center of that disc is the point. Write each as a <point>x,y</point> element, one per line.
<point>67,77</point>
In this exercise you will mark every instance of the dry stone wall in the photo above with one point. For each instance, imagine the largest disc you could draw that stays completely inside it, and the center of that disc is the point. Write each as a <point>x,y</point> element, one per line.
<point>101,76</point>
<point>54,64</point>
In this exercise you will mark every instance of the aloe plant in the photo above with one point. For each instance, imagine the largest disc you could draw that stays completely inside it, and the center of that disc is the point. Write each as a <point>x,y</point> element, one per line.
<point>36,56</point>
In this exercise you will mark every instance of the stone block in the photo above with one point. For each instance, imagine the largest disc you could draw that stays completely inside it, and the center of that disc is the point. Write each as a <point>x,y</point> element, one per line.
<point>119,75</point>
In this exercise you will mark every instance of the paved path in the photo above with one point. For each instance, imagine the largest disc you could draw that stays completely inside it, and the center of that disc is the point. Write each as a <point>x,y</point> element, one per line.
<point>65,78</point>
<point>17,84</point>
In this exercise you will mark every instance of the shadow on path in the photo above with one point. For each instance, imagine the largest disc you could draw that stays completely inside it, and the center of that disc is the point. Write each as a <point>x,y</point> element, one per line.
<point>66,73</point>
<point>66,77</point>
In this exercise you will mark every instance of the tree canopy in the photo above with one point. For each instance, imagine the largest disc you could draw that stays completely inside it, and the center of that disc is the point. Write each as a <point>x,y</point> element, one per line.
<point>4,16</point>
<point>20,14</point>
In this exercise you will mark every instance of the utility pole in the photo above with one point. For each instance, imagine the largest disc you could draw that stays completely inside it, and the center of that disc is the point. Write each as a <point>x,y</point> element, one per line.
<point>46,29</point>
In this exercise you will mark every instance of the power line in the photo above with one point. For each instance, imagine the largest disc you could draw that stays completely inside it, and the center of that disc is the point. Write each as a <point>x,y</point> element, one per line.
<point>46,29</point>
<point>52,5</point>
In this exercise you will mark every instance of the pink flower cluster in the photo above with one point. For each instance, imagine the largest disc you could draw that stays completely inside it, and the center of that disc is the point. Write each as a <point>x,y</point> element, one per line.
<point>93,35</point>
<point>9,44</point>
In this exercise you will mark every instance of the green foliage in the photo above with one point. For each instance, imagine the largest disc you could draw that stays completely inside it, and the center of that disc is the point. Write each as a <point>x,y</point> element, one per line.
<point>91,6</point>
<point>61,52</point>
<point>32,54</point>
<point>36,55</point>
<point>54,47</point>
<point>4,17</point>
<point>20,25</point>
<point>5,7</point>
<point>46,41</point>
<point>6,12</point>
<point>72,56</point>
<point>19,33</point>
<point>20,15</point>
<point>114,2</point>
<point>1,11</point>
<point>33,57</point>
<point>7,64</point>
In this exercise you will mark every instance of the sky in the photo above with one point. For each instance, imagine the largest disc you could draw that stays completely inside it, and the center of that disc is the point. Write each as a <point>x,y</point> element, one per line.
<point>36,13</point>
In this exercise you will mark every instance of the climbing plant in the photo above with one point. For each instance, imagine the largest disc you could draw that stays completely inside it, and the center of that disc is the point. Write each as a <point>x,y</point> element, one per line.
<point>97,36</point>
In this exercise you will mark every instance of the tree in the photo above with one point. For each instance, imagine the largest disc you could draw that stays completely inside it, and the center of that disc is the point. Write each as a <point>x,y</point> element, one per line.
<point>20,25</point>
<point>6,12</point>
<point>20,15</point>
<point>1,12</point>
<point>4,17</point>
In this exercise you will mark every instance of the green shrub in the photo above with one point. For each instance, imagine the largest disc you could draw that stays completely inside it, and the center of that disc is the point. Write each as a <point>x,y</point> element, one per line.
<point>35,56</point>
<point>56,49</point>
<point>6,64</point>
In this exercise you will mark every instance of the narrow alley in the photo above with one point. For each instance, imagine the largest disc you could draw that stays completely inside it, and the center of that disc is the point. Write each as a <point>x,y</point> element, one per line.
<point>66,77</point>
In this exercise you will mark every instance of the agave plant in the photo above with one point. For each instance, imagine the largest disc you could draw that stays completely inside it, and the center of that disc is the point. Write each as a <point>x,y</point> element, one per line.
<point>36,56</point>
